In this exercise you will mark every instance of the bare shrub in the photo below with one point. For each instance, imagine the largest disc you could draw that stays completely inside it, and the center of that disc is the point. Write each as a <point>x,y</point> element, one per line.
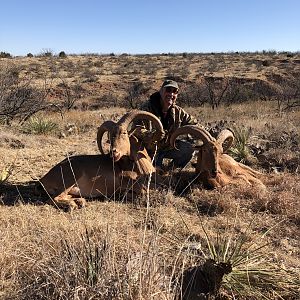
<point>264,90</point>
<point>193,94</point>
<point>19,99</point>
<point>69,93</point>
<point>106,100</point>
<point>221,90</point>
<point>136,94</point>
<point>46,52</point>
<point>288,93</point>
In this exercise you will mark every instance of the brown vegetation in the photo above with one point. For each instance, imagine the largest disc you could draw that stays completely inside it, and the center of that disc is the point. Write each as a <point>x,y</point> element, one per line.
<point>119,249</point>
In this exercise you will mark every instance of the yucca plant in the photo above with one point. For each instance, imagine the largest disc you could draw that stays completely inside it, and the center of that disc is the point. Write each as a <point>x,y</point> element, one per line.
<point>39,125</point>
<point>250,270</point>
<point>6,173</point>
<point>240,150</point>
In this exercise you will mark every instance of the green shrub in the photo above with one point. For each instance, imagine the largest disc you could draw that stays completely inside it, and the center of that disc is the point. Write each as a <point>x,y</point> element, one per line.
<point>38,125</point>
<point>5,55</point>
<point>62,54</point>
<point>4,174</point>
<point>240,150</point>
<point>251,270</point>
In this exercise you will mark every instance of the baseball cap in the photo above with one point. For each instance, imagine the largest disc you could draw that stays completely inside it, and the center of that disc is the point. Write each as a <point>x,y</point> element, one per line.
<point>170,83</point>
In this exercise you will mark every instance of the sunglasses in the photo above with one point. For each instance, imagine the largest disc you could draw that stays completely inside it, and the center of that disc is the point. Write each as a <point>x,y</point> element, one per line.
<point>171,90</point>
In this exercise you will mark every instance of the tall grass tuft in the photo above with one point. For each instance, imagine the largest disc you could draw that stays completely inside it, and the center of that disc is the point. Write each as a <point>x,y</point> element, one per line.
<point>39,125</point>
<point>240,151</point>
<point>94,258</point>
<point>6,173</point>
<point>254,274</point>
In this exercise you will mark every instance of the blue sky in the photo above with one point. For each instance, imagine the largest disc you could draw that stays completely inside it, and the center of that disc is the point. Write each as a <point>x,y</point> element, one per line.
<point>154,26</point>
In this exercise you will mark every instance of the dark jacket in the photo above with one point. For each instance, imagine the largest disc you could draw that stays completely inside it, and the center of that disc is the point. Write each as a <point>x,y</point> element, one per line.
<point>175,118</point>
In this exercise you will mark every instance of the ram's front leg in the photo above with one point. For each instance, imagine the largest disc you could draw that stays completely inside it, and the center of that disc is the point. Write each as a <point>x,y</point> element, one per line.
<point>67,201</point>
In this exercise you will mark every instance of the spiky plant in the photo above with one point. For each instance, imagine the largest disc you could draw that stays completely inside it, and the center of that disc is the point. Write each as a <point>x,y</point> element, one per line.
<point>6,173</point>
<point>39,125</point>
<point>251,271</point>
<point>240,151</point>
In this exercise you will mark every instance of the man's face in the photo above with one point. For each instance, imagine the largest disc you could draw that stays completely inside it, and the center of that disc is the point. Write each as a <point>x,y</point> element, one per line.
<point>168,97</point>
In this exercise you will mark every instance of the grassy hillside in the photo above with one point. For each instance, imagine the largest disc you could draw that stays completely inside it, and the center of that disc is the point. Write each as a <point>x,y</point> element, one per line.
<point>244,241</point>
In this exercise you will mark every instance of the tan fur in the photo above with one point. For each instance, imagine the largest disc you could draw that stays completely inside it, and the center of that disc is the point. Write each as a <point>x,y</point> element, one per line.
<point>74,179</point>
<point>233,172</point>
<point>215,168</point>
<point>106,175</point>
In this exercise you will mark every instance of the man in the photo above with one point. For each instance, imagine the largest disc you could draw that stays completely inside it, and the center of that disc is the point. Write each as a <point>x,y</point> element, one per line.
<point>163,104</point>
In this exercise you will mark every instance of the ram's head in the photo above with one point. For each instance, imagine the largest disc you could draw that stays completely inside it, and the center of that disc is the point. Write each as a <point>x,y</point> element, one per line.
<point>210,150</point>
<point>121,134</point>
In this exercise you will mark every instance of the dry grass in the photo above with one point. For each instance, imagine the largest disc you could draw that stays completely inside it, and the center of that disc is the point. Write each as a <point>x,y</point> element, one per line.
<point>121,250</point>
<point>125,250</point>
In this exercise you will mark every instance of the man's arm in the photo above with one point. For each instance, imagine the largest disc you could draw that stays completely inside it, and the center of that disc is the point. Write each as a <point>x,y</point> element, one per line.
<point>187,119</point>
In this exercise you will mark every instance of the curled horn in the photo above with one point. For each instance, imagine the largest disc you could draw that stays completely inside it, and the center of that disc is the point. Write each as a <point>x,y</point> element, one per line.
<point>105,126</point>
<point>195,131</point>
<point>143,115</point>
<point>225,136</point>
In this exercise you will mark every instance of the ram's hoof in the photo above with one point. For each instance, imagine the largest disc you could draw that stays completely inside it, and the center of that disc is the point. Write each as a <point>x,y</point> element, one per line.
<point>81,202</point>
